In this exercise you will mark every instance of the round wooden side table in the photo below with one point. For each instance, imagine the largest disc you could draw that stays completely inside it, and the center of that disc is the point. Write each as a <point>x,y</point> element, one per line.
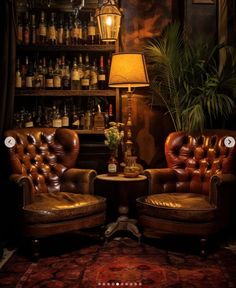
<point>124,186</point>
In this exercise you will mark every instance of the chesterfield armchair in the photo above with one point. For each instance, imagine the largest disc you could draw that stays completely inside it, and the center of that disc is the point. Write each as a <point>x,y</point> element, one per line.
<point>192,195</point>
<point>50,195</point>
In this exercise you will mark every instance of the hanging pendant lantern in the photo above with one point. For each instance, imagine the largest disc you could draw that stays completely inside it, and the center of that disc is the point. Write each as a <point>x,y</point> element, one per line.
<point>108,18</point>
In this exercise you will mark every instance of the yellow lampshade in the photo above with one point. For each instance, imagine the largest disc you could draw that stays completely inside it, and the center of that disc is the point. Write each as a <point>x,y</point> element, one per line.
<point>128,70</point>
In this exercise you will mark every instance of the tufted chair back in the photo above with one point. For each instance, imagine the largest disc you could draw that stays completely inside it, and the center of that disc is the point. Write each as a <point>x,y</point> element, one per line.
<point>43,154</point>
<point>197,157</point>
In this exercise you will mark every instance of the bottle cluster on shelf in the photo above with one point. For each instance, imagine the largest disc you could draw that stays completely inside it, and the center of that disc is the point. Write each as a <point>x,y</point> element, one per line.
<point>92,118</point>
<point>57,28</point>
<point>80,73</point>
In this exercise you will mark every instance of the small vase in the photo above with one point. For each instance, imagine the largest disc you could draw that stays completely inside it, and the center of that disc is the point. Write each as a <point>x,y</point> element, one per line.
<point>112,164</point>
<point>131,169</point>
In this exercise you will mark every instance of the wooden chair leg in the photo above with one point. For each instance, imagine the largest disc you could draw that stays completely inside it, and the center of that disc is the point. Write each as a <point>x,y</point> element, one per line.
<point>35,250</point>
<point>203,247</point>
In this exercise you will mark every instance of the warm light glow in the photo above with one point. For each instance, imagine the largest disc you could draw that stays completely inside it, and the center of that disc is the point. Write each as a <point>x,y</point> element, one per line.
<point>108,18</point>
<point>128,70</point>
<point>109,21</point>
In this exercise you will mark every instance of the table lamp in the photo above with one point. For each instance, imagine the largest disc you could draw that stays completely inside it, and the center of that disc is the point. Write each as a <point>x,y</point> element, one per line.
<point>128,70</point>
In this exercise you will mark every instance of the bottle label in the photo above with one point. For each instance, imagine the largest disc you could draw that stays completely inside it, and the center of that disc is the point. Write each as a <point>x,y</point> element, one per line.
<point>52,33</point>
<point>18,81</point>
<point>94,78</point>
<point>29,81</point>
<point>27,36</point>
<point>112,168</point>
<point>81,73</point>
<point>20,33</point>
<point>65,121</point>
<point>60,36</point>
<point>79,33</point>
<point>85,82</point>
<point>57,123</point>
<point>76,123</point>
<point>57,81</point>
<point>75,75</point>
<point>49,83</point>
<point>42,30</point>
<point>29,124</point>
<point>91,30</point>
<point>101,77</point>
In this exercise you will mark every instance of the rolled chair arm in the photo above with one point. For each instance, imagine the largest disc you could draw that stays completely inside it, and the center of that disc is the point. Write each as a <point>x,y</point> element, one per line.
<point>157,178</point>
<point>26,188</point>
<point>221,185</point>
<point>77,180</point>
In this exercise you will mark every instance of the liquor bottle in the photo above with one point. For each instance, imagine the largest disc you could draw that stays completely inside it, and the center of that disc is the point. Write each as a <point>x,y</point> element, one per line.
<point>56,121</point>
<point>75,76</point>
<point>94,76</point>
<point>76,31</point>
<point>60,32</point>
<point>85,81</point>
<point>65,117</point>
<point>57,76</point>
<point>24,70</point>
<point>42,29</point>
<point>110,114</point>
<point>84,33</point>
<point>40,75</point>
<point>108,68</point>
<point>97,34</point>
<point>88,120</point>
<point>19,30</point>
<point>29,121</point>
<point>52,32</point>
<point>29,77</point>
<point>91,31</point>
<point>33,30</point>
<point>44,70</point>
<point>99,120</point>
<point>112,165</point>
<point>66,40</point>
<point>102,83</point>
<point>80,67</point>
<point>18,75</point>
<point>49,77</point>
<point>75,121</point>
<point>66,77</point>
<point>38,118</point>
<point>26,35</point>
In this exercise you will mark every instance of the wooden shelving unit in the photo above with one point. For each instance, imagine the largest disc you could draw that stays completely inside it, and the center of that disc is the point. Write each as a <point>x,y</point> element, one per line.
<point>64,48</point>
<point>65,93</point>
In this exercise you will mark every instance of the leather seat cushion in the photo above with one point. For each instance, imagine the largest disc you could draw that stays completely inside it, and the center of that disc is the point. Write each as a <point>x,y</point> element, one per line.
<point>188,207</point>
<point>59,206</point>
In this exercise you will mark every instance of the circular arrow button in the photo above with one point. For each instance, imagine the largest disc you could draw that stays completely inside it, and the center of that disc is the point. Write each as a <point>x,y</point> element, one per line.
<point>229,142</point>
<point>10,142</point>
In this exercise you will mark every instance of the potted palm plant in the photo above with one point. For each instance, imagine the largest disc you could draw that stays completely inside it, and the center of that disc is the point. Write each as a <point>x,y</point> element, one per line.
<point>185,77</point>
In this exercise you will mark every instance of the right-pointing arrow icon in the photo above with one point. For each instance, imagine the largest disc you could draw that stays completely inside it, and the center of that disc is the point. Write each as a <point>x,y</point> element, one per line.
<point>229,142</point>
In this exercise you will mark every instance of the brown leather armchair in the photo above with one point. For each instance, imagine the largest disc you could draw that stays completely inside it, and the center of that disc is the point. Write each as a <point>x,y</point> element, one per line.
<point>52,197</point>
<point>192,195</point>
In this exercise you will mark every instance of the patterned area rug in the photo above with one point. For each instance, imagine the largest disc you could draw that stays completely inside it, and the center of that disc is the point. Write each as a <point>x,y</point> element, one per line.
<point>121,262</point>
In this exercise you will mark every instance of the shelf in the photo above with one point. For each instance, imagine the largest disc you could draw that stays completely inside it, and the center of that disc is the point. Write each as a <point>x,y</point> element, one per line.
<point>66,93</point>
<point>64,48</point>
<point>89,132</point>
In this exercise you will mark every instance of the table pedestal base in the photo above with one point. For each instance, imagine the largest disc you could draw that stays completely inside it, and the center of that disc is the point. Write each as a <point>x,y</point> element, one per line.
<point>123,223</point>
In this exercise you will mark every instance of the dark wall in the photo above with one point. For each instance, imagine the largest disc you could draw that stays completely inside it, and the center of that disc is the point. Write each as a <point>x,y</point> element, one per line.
<point>200,20</point>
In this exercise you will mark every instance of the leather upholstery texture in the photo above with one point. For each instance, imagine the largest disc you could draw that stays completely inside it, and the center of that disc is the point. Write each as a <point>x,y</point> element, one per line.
<point>52,195</point>
<point>192,195</point>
